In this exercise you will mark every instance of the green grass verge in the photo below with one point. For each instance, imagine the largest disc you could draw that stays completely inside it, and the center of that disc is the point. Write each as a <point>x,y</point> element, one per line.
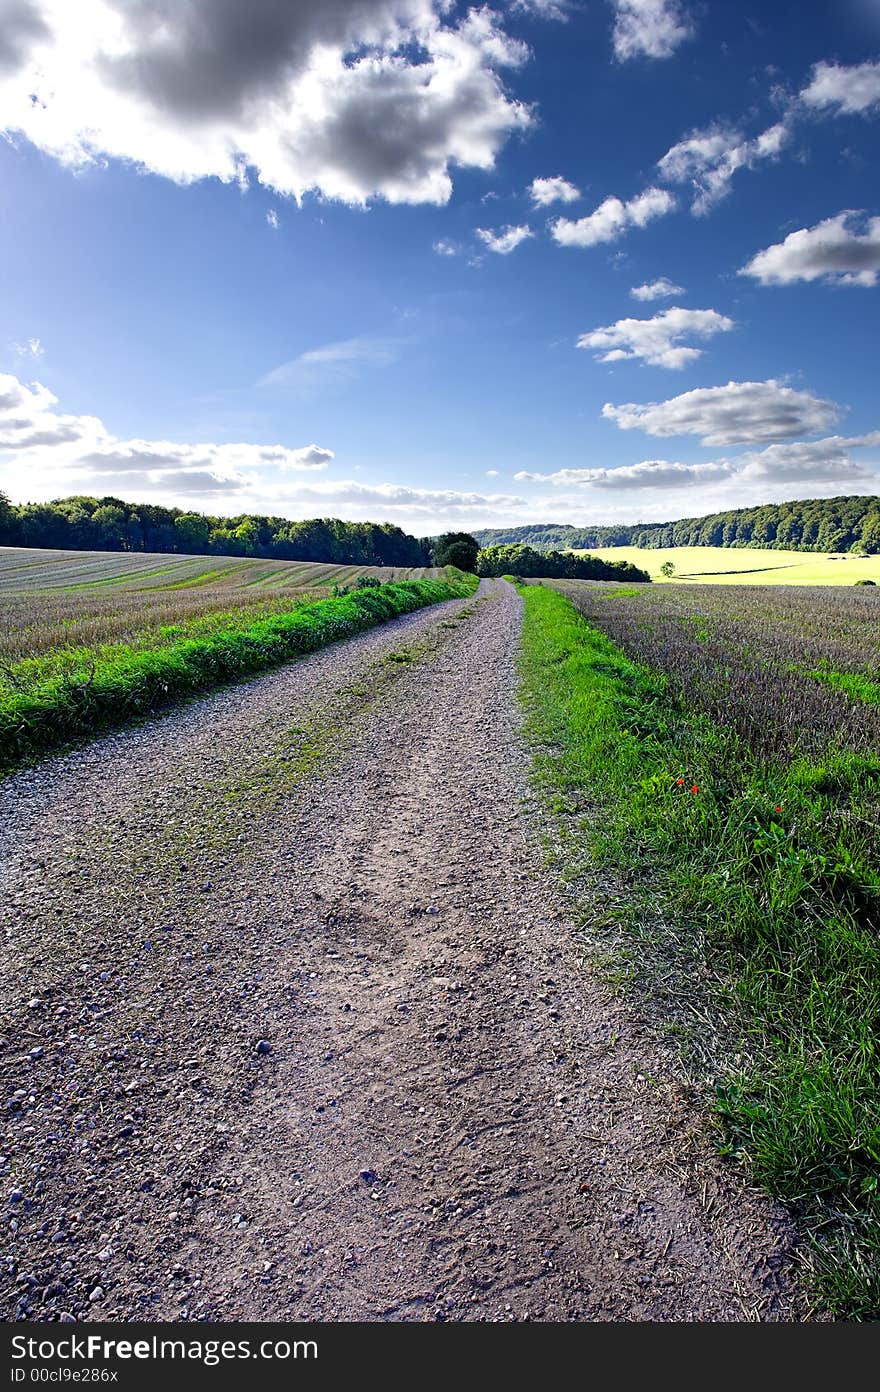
<point>767,881</point>
<point>39,712</point>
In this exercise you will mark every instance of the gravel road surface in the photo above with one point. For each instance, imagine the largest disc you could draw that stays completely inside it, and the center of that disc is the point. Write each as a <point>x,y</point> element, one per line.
<point>296,1027</point>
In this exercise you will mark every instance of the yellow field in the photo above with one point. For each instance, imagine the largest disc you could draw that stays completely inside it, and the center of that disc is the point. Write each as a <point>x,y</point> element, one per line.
<point>731,565</point>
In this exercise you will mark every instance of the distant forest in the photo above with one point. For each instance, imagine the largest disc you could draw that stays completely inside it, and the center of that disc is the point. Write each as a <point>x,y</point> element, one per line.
<point>819,524</point>
<point>526,561</point>
<point>109,524</point>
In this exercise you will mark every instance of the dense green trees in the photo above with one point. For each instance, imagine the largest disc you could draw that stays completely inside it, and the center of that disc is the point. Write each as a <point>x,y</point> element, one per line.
<point>544,537</point>
<point>817,524</point>
<point>457,549</point>
<point>554,565</point>
<point>109,524</point>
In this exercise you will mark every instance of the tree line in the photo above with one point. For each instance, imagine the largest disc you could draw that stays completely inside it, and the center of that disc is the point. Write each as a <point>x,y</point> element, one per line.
<point>816,524</point>
<point>83,523</point>
<point>525,561</point>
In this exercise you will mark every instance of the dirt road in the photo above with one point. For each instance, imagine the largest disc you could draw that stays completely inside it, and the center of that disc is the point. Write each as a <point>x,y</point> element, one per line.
<point>296,1027</point>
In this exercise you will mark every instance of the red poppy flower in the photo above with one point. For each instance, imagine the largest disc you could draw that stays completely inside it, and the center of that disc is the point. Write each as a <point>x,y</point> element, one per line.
<point>679,782</point>
<point>695,789</point>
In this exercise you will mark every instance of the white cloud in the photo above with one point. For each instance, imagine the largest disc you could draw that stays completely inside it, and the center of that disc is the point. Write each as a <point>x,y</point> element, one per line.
<point>120,456</point>
<point>708,159</point>
<point>48,455</point>
<point>738,413</point>
<point>31,348</point>
<point>69,451</point>
<point>834,251</point>
<point>656,289</point>
<point>444,248</point>
<point>649,28</point>
<point>505,241</point>
<point>273,219</point>
<point>656,341</point>
<point>352,99</point>
<point>612,219</point>
<point>491,473</point>
<point>332,363</point>
<point>408,503</point>
<point>543,9</point>
<point>173,487</point>
<point>806,460</point>
<point>852,90</point>
<point>28,420</point>
<point>554,189</point>
<point>422,510</point>
<point>657,489</point>
<point>650,473</point>
<point>16,396</point>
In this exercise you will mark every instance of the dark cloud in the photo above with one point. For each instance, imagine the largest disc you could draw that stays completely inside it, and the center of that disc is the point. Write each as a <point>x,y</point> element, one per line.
<point>352,98</point>
<point>30,435</point>
<point>21,26</point>
<point>209,59</point>
<point>195,482</point>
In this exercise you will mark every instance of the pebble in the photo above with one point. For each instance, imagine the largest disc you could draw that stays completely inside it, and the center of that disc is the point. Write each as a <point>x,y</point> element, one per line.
<point>263,1047</point>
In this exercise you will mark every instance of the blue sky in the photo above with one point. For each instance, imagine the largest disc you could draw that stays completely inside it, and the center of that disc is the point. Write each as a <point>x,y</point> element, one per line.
<point>376,258</point>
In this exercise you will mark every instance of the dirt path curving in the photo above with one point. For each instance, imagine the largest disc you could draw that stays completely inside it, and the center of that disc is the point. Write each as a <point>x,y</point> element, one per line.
<point>297,1029</point>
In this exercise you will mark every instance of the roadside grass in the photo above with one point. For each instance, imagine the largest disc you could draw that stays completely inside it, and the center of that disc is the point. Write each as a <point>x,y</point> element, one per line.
<point>763,878</point>
<point>43,706</point>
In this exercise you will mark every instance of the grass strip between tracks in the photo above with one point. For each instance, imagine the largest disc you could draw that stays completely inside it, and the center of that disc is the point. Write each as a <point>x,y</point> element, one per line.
<point>757,885</point>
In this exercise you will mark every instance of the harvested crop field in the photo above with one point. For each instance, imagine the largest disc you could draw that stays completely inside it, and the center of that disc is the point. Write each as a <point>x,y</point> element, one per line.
<point>53,600</point>
<point>36,571</point>
<point>791,671</point>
